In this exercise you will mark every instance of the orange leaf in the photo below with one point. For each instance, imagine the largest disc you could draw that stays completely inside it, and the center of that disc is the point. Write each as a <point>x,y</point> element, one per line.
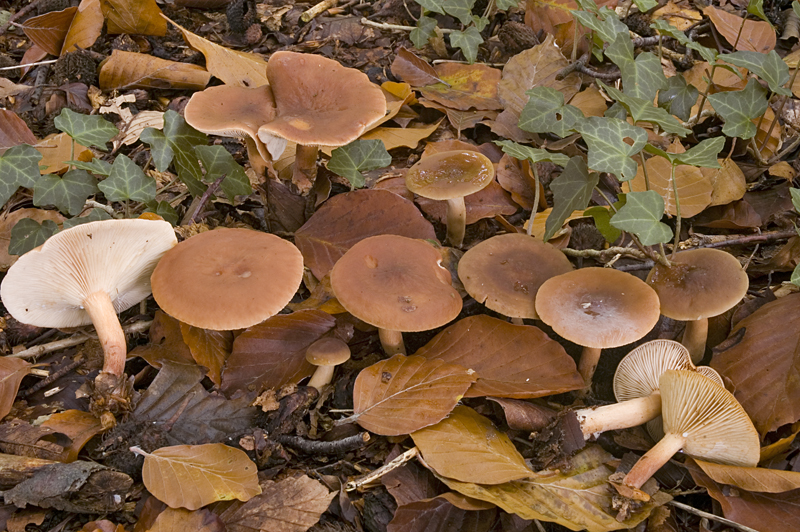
<point>142,17</point>
<point>756,36</point>
<point>128,70</point>
<point>13,131</point>
<point>86,27</point>
<point>78,426</point>
<point>209,348</point>
<point>464,87</point>
<point>12,370</point>
<point>49,30</point>
<point>752,478</point>
<point>172,520</point>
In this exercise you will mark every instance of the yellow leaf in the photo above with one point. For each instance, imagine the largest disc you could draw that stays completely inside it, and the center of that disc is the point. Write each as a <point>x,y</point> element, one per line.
<point>142,17</point>
<point>86,27</point>
<point>127,70</point>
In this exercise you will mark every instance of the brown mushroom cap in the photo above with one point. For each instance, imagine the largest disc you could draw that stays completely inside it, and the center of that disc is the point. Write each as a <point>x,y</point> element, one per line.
<point>598,307</point>
<point>227,278</point>
<point>505,272</point>
<point>395,283</point>
<point>328,351</point>
<point>320,102</point>
<point>638,372</point>
<point>700,284</point>
<point>450,174</point>
<point>230,111</point>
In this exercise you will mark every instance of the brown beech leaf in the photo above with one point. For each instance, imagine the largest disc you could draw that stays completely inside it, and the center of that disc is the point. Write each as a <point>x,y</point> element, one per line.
<point>440,515</point>
<point>10,219</point>
<point>555,18</point>
<point>756,36</point>
<point>464,87</point>
<point>58,148</point>
<point>775,135</point>
<point>13,131</point>
<point>518,361</point>
<point>9,88</point>
<point>752,478</point>
<point>524,415</point>
<point>191,476</point>
<point>728,182</point>
<point>694,188</point>
<point>12,371</point>
<point>290,505</point>
<point>410,483</point>
<point>49,30</point>
<point>404,394</point>
<point>465,446</point>
<point>166,343</point>
<point>590,102</point>
<point>86,27</point>
<point>735,215</point>
<point>576,496</point>
<point>765,512</point>
<point>348,218</point>
<point>764,365</point>
<point>209,348</point>
<point>273,353</point>
<point>241,69</point>
<point>486,203</point>
<point>512,178</point>
<point>103,525</point>
<point>414,70</point>
<point>129,70</point>
<point>78,426</point>
<point>175,519</point>
<point>142,17</point>
<point>395,137</point>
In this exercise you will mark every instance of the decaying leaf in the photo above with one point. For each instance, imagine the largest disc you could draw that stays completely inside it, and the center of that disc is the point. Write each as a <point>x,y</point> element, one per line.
<point>173,519</point>
<point>86,27</point>
<point>464,87</point>
<point>728,182</point>
<point>440,515</point>
<point>209,348</point>
<point>756,36</point>
<point>141,17</point>
<point>129,70</point>
<point>694,188</point>
<point>78,426</point>
<point>13,131</point>
<point>12,371</point>
<point>752,478</point>
<point>49,30</point>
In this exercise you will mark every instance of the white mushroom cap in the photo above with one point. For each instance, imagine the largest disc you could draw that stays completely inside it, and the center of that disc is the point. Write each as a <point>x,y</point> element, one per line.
<point>638,373</point>
<point>47,286</point>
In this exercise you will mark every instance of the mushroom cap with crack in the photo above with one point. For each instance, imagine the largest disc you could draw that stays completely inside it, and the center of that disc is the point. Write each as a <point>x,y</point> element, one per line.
<point>701,283</point>
<point>598,307</point>
<point>638,372</point>
<point>227,279</point>
<point>395,283</point>
<point>320,102</point>
<point>505,272</point>
<point>46,287</point>
<point>230,111</point>
<point>328,351</point>
<point>450,174</point>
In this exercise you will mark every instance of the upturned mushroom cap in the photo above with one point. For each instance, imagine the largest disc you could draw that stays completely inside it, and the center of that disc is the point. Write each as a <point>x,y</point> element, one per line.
<point>701,283</point>
<point>395,283</point>
<point>230,111</point>
<point>227,278</point>
<point>505,272</point>
<point>328,351</point>
<point>450,174</point>
<point>320,102</point>
<point>47,286</point>
<point>598,307</point>
<point>638,372</point>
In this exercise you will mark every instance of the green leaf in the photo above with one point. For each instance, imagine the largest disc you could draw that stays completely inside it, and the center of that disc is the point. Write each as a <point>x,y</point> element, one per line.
<point>504,5</point>
<point>359,156</point>
<point>616,111</point>
<point>28,234</point>
<point>480,22</point>
<point>678,97</point>
<point>644,111</point>
<point>19,166</point>
<point>160,148</point>
<point>127,182</point>
<point>95,166</point>
<point>68,193</point>
<point>426,28</point>
<point>703,155</point>
<point>665,28</point>
<point>796,7</point>
<point>641,77</point>
<point>467,41</point>
<point>89,130</point>
<point>608,151</point>
<point>641,216</point>
<point>572,191</point>
<point>645,5</point>
<point>163,209</point>
<point>217,161</point>
<point>603,21</point>
<point>534,155</point>
<point>795,279</point>
<point>756,8</point>
<point>739,108</point>
<point>602,220</point>
<point>545,112</point>
<point>795,198</point>
<point>769,67</point>
<point>95,215</point>
<point>432,5</point>
<point>461,9</point>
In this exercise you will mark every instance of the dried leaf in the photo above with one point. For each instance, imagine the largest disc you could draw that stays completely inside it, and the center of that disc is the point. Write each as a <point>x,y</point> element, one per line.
<point>78,426</point>
<point>524,415</point>
<point>464,87</point>
<point>758,479</point>
<point>209,348</point>
<point>518,361</point>
<point>12,371</point>
<point>590,102</point>
<point>440,515</point>
<point>555,18</point>
<point>7,223</point>
<point>734,215</point>
<point>728,182</point>
<point>404,394</point>
<point>166,343</point>
<point>465,446</point>
<point>413,69</point>
<point>9,88</point>
<point>172,520</point>
<point>410,483</point>
<point>13,131</point>
<point>128,70</point>
<point>86,27</point>
<point>49,30</point>
<point>775,141</point>
<point>763,365</point>
<point>694,188</point>
<point>142,17</point>
<point>57,149</point>
<point>486,203</point>
<point>756,36</point>
<point>395,137</point>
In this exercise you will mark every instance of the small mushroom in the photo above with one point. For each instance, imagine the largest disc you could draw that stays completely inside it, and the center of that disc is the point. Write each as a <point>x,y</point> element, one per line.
<point>88,274</point>
<point>326,353</point>
<point>451,175</point>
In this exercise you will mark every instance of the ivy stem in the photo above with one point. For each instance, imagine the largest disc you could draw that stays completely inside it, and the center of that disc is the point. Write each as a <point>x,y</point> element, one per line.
<point>644,171</point>
<point>677,212</point>
<point>535,198</point>
<point>608,201</point>
<point>711,76</point>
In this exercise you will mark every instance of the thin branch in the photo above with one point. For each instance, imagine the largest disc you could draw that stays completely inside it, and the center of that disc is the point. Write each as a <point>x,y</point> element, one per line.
<point>351,443</point>
<point>713,517</point>
<point>37,63</point>
<point>395,27</point>
<point>604,253</point>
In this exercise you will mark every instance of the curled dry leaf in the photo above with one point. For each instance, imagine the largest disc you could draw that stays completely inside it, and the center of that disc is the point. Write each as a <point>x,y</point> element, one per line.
<point>414,70</point>
<point>191,476</point>
<point>12,370</point>
<point>129,132</point>
<point>166,342</point>
<point>174,519</point>
<point>518,361</point>
<point>10,219</point>
<point>555,18</point>
<point>728,182</point>
<point>773,144</point>
<point>78,426</point>
<point>756,36</point>
<point>525,415</point>
<point>49,30</point>
<point>758,479</point>
<point>395,137</point>
<point>405,394</point>
<point>142,17</point>
<point>129,70</point>
<point>209,348</point>
<point>465,446</point>
<point>735,215</point>
<point>86,27</point>
<point>9,88</point>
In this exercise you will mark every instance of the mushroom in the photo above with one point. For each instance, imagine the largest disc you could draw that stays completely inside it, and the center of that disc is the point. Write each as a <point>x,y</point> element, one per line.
<point>699,284</point>
<point>319,103</point>
<point>505,273</point>
<point>451,175</point>
<point>326,353</point>
<point>88,274</point>
<point>227,279</point>
<point>597,308</point>
<point>703,420</point>
<point>396,284</point>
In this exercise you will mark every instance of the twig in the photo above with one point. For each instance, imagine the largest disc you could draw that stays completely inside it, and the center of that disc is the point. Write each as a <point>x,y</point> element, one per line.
<point>604,253</point>
<point>384,469</point>
<point>317,9</point>
<point>787,150</point>
<point>721,241</point>
<point>394,27</point>
<point>205,197</point>
<point>713,517</point>
<point>572,67</point>
<point>26,65</point>
<point>19,14</point>
<point>97,205</point>
<point>351,443</point>
<point>53,377</point>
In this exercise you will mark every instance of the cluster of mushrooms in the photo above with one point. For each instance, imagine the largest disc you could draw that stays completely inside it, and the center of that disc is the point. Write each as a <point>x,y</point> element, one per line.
<point>229,279</point>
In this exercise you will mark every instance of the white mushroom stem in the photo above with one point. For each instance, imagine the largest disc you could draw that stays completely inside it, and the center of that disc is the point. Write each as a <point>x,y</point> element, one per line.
<point>654,459</point>
<point>321,377</point>
<point>588,364</point>
<point>456,221</point>
<point>694,338</point>
<point>305,167</point>
<point>620,415</point>
<point>392,342</point>
<point>109,331</point>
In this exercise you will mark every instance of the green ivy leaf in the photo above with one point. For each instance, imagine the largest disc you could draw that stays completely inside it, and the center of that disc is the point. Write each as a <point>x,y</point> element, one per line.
<point>432,5</point>
<point>95,215</point>
<point>795,198</point>
<point>769,67</point>
<point>608,151</point>
<point>603,21</point>
<point>426,28</point>
<point>665,28</point>
<point>163,209</point>
<point>461,9</point>
<point>467,41</point>
<point>739,108</point>
<point>641,216</point>
<point>95,166</point>
<point>703,155</point>
<point>19,166</point>
<point>602,220</point>
<point>678,97</point>
<point>644,111</point>
<point>616,111</point>
<point>641,77</point>
<point>89,130</point>
<point>795,278</point>
<point>534,155</point>
<point>645,5</point>
<point>359,156</point>
<point>127,182</point>
<point>572,191</point>
<point>480,22</point>
<point>756,8</point>
<point>545,112</point>
<point>68,193</point>
<point>504,5</point>
<point>28,234</point>
<point>217,161</point>
<point>796,8</point>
